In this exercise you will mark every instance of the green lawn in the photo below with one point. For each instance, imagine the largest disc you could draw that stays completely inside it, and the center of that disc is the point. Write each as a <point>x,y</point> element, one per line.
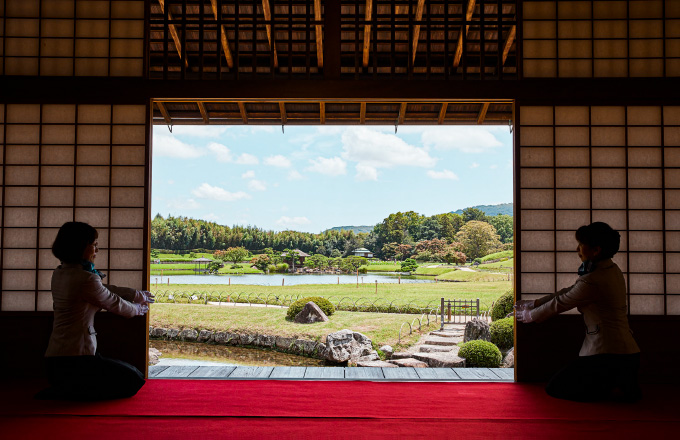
<point>497,255</point>
<point>382,328</point>
<point>504,265</point>
<point>188,269</point>
<point>473,277</point>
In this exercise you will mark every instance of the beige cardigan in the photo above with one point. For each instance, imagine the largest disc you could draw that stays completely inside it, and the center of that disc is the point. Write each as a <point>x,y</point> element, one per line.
<point>601,297</point>
<point>78,295</point>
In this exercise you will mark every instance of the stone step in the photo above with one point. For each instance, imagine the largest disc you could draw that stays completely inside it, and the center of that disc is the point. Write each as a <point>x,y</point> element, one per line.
<point>380,364</point>
<point>408,362</point>
<point>435,348</point>
<point>400,355</point>
<point>437,340</point>
<point>447,334</point>
<point>440,360</point>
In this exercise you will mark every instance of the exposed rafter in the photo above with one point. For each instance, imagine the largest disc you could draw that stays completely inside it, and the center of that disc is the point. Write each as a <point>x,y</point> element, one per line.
<point>362,114</point>
<point>508,42</point>
<point>442,113</point>
<point>225,42</point>
<point>322,112</point>
<point>463,31</point>
<point>164,112</point>
<point>367,31</point>
<point>416,28</point>
<point>482,113</point>
<point>242,109</point>
<point>204,112</point>
<point>174,34</point>
<point>402,112</point>
<point>282,109</point>
<point>270,35</point>
<point>319,33</point>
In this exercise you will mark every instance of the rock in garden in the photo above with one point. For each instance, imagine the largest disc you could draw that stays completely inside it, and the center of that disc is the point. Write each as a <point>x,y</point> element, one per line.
<point>247,339</point>
<point>172,333</point>
<point>310,314</point>
<point>205,336</point>
<point>188,334</point>
<point>408,362</point>
<point>154,354</point>
<point>159,332</point>
<point>509,359</point>
<point>401,355</point>
<point>440,360</point>
<point>387,349</point>
<point>477,329</point>
<point>346,345</point>
<point>283,343</point>
<point>380,364</point>
<point>265,341</point>
<point>373,356</point>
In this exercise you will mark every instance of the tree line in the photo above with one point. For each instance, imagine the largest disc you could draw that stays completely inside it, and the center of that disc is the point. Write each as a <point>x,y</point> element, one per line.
<point>399,236</point>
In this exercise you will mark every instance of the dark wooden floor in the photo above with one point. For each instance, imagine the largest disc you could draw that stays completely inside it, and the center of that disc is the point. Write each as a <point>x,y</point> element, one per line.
<point>333,373</point>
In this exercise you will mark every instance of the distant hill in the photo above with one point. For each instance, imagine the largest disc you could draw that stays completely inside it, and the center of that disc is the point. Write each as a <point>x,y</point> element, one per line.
<point>356,229</point>
<point>491,210</point>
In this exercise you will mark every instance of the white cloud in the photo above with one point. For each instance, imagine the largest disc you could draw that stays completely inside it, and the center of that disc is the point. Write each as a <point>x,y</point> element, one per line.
<point>291,222</point>
<point>170,146</point>
<point>474,165</point>
<point>250,174</point>
<point>247,159</point>
<point>277,161</point>
<point>442,175</point>
<point>493,167</point>
<point>182,203</point>
<point>257,185</point>
<point>461,138</point>
<point>207,191</point>
<point>365,172</point>
<point>221,152</point>
<point>382,150</point>
<point>330,166</point>
<point>295,175</point>
<point>211,217</point>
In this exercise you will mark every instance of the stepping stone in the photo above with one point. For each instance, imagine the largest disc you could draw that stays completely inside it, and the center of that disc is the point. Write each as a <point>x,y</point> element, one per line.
<point>380,364</point>
<point>401,355</point>
<point>437,340</point>
<point>446,334</point>
<point>435,348</point>
<point>440,360</point>
<point>410,362</point>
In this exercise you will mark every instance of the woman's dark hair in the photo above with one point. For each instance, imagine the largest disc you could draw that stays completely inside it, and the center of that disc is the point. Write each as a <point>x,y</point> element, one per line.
<point>602,235</point>
<point>71,241</point>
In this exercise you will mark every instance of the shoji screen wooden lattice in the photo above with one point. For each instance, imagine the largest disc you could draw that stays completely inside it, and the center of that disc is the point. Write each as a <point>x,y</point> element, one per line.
<point>620,165</point>
<point>70,162</point>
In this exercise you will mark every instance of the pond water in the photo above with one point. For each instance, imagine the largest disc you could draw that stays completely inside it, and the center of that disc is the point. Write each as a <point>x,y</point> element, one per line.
<point>288,279</point>
<point>198,353</point>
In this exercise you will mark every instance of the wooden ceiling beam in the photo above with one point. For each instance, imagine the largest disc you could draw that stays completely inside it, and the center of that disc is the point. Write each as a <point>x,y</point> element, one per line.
<point>482,113</point>
<point>282,110</point>
<point>367,31</point>
<point>164,112</point>
<point>402,113</point>
<point>322,112</point>
<point>204,112</point>
<point>362,114</point>
<point>242,109</point>
<point>174,34</point>
<point>270,35</point>
<point>508,42</point>
<point>225,42</point>
<point>459,46</point>
<point>442,113</point>
<point>416,28</point>
<point>319,33</point>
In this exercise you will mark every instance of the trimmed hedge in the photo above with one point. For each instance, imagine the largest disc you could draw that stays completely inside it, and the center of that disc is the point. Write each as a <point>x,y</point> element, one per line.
<point>503,306</point>
<point>480,354</point>
<point>298,305</point>
<point>502,333</point>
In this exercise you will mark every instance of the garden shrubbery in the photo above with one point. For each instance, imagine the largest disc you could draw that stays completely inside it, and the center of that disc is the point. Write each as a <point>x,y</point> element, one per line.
<point>298,305</point>
<point>502,333</point>
<point>480,354</point>
<point>503,306</point>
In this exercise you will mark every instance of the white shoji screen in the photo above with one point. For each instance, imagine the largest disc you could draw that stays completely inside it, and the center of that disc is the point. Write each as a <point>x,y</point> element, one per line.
<point>634,38</point>
<point>620,165</point>
<point>70,162</point>
<point>72,37</point>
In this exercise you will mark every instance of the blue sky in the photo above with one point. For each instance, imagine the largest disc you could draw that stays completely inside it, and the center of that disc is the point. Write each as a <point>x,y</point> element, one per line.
<point>311,178</point>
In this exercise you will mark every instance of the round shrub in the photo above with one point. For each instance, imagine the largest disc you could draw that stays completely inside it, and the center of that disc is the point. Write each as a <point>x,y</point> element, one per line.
<point>282,267</point>
<point>502,333</point>
<point>503,306</point>
<point>298,305</point>
<point>480,354</point>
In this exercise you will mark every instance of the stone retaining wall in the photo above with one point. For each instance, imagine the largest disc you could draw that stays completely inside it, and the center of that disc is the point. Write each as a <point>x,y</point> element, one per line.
<point>303,347</point>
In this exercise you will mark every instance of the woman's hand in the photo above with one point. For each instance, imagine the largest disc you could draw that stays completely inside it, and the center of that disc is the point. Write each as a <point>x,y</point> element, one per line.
<point>523,310</point>
<point>141,309</point>
<point>525,304</point>
<point>144,297</point>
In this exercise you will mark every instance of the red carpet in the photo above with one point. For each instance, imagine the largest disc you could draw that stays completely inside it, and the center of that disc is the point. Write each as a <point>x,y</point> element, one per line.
<point>187,409</point>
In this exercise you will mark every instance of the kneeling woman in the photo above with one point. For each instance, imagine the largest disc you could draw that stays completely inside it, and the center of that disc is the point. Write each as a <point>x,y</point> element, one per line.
<point>75,370</point>
<point>608,362</point>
